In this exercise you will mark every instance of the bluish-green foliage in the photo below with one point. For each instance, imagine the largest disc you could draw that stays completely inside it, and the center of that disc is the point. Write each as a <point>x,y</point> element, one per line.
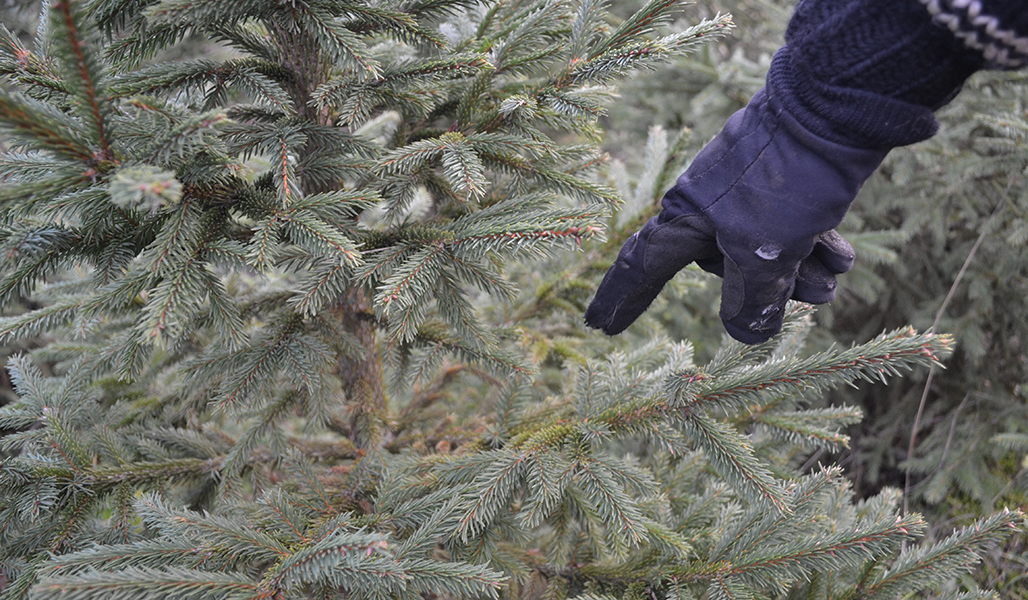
<point>302,322</point>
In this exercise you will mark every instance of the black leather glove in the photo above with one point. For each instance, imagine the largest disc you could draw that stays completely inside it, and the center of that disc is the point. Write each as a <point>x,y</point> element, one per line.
<point>757,206</point>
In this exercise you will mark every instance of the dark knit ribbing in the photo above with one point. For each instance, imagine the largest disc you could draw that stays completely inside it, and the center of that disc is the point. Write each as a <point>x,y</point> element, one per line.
<point>847,115</point>
<point>870,72</point>
<point>891,48</point>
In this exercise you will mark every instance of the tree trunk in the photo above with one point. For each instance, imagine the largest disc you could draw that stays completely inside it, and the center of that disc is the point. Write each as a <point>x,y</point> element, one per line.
<point>362,376</point>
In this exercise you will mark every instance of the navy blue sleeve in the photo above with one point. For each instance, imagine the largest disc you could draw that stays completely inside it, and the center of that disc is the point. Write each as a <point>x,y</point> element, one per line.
<point>870,73</point>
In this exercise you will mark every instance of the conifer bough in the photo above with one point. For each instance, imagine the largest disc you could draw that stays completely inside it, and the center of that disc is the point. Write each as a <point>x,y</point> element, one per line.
<point>213,269</point>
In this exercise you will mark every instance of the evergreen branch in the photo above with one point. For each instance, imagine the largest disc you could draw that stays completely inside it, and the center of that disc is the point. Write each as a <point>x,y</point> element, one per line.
<point>357,103</point>
<point>667,540</point>
<point>617,61</point>
<point>248,37</point>
<point>249,368</point>
<point>223,313</point>
<point>284,518</point>
<point>144,43</point>
<point>364,19</point>
<point>206,76</point>
<point>200,12</point>
<point>642,22</point>
<point>310,232</point>
<point>113,15</point>
<point>339,206</point>
<point>435,69</point>
<point>322,502</point>
<point>620,515</point>
<point>412,156</point>
<point>454,307</point>
<point>471,98</point>
<point>116,296</point>
<point>152,554</point>
<point>43,127</point>
<point>481,274</point>
<point>499,143</point>
<point>525,63</point>
<point>462,166</point>
<point>435,344</point>
<point>732,457</point>
<point>63,442</point>
<point>26,67</point>
<point>493,489</point>
<point>340,551</point>
<point>36,322</point>
<point>830,552</point>
<point>411,278</point>
<point>288,185</point>
<point>188,137</point>
<point>525,231</point>
<point>428,529</point>
<point>143,583</point>
<point>308,356</point>
<point>404,322</point>
<point>321,284</point>
<point>458,579</point>
<point>875,360</point>
<point>436,8</point>
<point>74,41</point>
<point>525,29</point>
<point>114,261</point>
<point>173,303</point>
<point>34,255</point>
<point>930,566</point>
<point>575,111</point>
<point>341,45</point>
<point>575,187</point>
<point>263,425</point>
<point>727,589</point>
<point>264,243</point>
<point>634,416</point>
<point>222,535</point>
<point>178,241</point>
<point>587,25</point>
<point>151,472</point>
<point>29,166</point>
<point>811,427</point>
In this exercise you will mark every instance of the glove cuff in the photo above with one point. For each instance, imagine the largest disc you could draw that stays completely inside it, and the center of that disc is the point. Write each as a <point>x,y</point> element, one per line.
<point>869,73</point>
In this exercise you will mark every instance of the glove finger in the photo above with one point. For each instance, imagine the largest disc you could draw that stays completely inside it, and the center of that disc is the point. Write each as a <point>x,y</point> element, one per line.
<point>753,298</point>
<point>815,283</point>
<point>834,252</point>
<point>645,263</point>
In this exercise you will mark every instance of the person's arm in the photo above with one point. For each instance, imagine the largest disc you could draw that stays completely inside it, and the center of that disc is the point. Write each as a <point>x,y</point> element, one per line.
<point>759,204</point>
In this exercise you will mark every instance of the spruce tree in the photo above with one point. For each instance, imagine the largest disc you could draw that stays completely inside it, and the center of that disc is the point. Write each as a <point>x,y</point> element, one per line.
<point>275,350</point>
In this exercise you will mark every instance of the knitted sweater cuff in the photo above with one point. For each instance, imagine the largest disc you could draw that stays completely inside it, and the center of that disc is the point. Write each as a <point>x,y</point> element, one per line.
<point>846,115</point>
<point>869,73</point>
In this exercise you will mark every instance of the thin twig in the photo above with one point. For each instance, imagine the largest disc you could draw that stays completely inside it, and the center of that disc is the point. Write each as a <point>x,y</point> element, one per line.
<point>935,325</point>
<point>1000,493</point>
<point>813,460</point>
<point>952,430</point>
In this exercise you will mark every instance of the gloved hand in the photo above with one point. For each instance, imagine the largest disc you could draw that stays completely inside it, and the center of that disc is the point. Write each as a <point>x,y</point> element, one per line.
<point>757,206</point>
